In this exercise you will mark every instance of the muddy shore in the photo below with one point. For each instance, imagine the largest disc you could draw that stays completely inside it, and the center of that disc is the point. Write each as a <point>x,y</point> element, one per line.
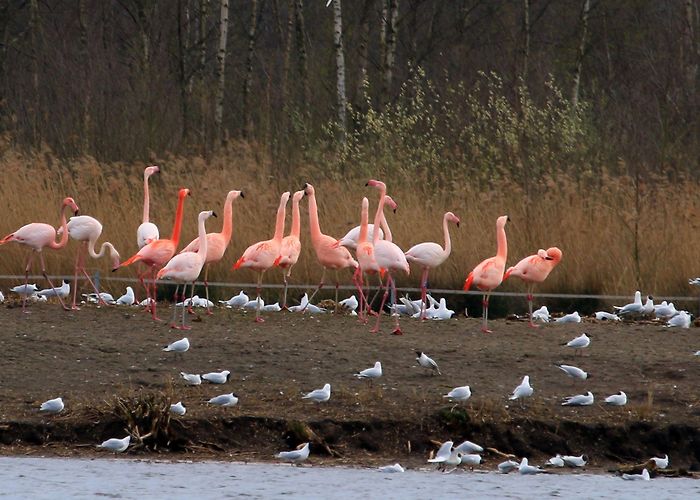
<point>108,365</point>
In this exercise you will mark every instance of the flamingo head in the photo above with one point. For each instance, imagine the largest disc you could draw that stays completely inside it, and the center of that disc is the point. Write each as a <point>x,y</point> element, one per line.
<point>501,221</point>
<point>183,192</point>
<point>298,195</point>
<point>149,171</point>
<point>70,202</point>
<point>375,183</point>
<point>553,254</point>
<point>285,197</point>
<point>309,189</point>
<point>390,201</point>
<point>452,218</point>
<point>232,195</point>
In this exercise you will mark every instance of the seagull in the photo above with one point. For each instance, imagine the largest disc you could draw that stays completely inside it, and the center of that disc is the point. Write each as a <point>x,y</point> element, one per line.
<point>526,469</point>
<point>179,346</point>
<point>427,362</point>
<point>665,310</point>
<point>25,289</point>
<point>52,406</point>
<point>116,445</point>
<point>507,466</point>
<point>694,281</point>
<point>555,461</point>
<point>295,456</point>
<point>63,291</point>
<point>682,319</point>
<point>253,304</point>
<point>319,395</point>
<point>191,378</point>
<point>272,307</point>
<point>459,393</point>
<point>148,301</point>
<point>306,306</point>
<point>644,476</point>
<point>573,461</point>
<point>574,372</point>
<point>371,373</point>
<point>391,468</point>
<point>471,459</point>
<point>617,399</point>
<point>350,303</point>
<point>442,312</point>
<point>580,342</point>
<point>661,463</point>
<point>408,307</point>
<point>524,390</point>
<point>579,400</point>
<point>236,301</point>
<point>469,447</point>
<point>128,298</point>
<point>648,307</point>
<point>217,377</point>
<point>443,453</point>
<point>541,314</point>
<point>229,399</point>
<point>634,308</point>
<point>2,298</point>
<point>178,408</point>
<point>604,315</point>
<point>94,298</point>
<point>574,317</point>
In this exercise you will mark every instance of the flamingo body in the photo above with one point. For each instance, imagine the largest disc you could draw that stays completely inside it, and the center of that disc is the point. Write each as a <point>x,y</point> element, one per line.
<point>36,236</point>
<point>536,268</point>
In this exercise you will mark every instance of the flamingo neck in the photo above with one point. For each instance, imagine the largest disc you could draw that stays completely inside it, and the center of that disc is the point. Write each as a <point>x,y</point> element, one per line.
<point>227,229</point>
<point>502,242</point>
<point>279,224</point>
<point>385,227</point>
<point>202,251</point>
<point>379,214</point>
<point>296,219</point>
<point>146,198</point>
<point>314,226</point>
<point>448,240</point>
<point>177,226</point>
<point>363,226</point>
<point>64,235</point>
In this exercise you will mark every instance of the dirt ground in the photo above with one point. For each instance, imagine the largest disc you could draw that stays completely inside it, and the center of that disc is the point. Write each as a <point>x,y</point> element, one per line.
<point>91,356</point>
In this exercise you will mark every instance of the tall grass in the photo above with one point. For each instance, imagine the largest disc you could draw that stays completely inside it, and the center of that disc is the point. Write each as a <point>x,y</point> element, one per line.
<point>592,221</point>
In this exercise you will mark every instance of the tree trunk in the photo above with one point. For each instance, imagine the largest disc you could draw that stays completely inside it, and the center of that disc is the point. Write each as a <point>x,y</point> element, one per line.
<point>581,52</point>
<point>248,84</point>
<point>526,41</point>
<point>340,67</point>
<point>34,33</point>
<point>221,73</point>
<point>287,55</point>
<point>303,62</point>
<point>202,80</point>
<point>691,46</point>
<point>84,56</point>
<point>362,78</point>
<point>183,48</point>
<point>390,49</point>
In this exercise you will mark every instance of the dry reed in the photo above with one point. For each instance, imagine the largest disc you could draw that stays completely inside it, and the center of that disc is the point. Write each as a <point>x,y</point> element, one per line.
<point>592,222</point>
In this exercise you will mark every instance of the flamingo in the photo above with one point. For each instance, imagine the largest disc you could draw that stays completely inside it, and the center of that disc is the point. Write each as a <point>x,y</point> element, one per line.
<point>185,267</point>
<point>147,231</point>
<point>38,235</point>
<point>291,245</point>
<point>430,255</point>
<point>86,230</point>
<point>389,257</point>
<point>156,253</point>
<point>328,253</point>
<point>489,273</point>
<point>365,252</point>
<point>261,256</point>
<point>350,238</point>
<point>216,242</point>
<point>535,269</point>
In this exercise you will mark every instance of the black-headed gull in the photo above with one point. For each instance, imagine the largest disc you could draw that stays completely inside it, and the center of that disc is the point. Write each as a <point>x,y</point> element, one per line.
<point>555,461</point>
<point>178,408</point>
<point>574,372</point>
<point>229,399</point>
<point>371,373</point>
<point>272,307</point>
<point>661,463</point>
<point>648,307</point>
<point>470,459</point>
<point>2,297</point>
<point>295,456</point>
<point>606,316</point>
<point>574,461</point>
<point>191,378</point>
<point>665,310</point>
<point>682,320</point>
<point>644,476</point>
<point>350,303</point>
<point>63,291</point>
<point>94,298</point>
<point>52,406</point>
<point>617,399</point>
<point>541,314</point>
<point>508,466</point>
<point>116,445</point>
<point>128,298</point>
<point>217,377</point>
<point>181,345</point>
<point>391,468</point>
<point>443,453</point>
<point>459,393</point>
<point>469,447</point>
<point>319,395</point>
<point>236,301</point>
<point>580,342</point>
<point>427,362</point>
<point>524,390</point>
<point>574,317</point>
<point>25,289</point>
<point>579,400</point>
<point>526,469</point>
<point>694,281</point>
<point>634,308</point>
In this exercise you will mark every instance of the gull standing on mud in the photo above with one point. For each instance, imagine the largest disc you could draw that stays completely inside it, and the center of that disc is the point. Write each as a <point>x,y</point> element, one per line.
<point>319,395</point>
<point>579,400</point>
<point>524,390</point>
<point>634,308</point>
<point>427,362</point>
<point>580,342</point>
<point>459,393</point>
<point>217,377</point>
<point>116,445</point>
<point>128,298</point>
<point>52,406</point>
<point>371,373</point>
<point>295,456</point>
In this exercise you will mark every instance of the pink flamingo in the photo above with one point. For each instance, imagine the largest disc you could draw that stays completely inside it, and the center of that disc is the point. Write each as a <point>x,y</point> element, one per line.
<point>38,235</point>
<point>291,245</point>
<point>328,253</point>
<point>489,274</point>
<point>87,230</point>
<point>185,267</point>
<point>430,255</point>
<point>261,256</point>
<point>147,231</point>
<point>156,253</point>
<point>535,269</point>
<point>365,253</point>
<point>216,242</point>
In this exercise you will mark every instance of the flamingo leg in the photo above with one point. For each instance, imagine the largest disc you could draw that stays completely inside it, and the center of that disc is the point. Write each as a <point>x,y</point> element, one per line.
<point>389,281</point>
<point>320,285</point>
<point>172,323</point>
<point>184,294</point>
<point>43,271</point>
<point>337,283</point>
<point>358,280</point>
<point>258,305</point>
<point>381,285</point>
<point>100,300</point>
<point>74,306</point>
<point>284,295</point>
<point>154,293</point>
<point>485,314</point>
<point>424,293</point>
<point>529,306</point>
<point>397,324</point>
<point>30,260</point>
<point>206,287</point>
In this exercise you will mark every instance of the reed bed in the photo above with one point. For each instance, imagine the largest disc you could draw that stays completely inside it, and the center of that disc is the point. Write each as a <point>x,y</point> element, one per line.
<point>617,234</point>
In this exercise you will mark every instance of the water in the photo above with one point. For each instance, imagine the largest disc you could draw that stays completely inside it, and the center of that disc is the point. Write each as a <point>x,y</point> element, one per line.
<point>40,478</point>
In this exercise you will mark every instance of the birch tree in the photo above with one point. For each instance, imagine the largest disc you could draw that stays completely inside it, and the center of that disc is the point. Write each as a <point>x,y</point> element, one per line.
<point>221,73</point>
<point>341,101</point>
<point>581,52</point>
<point>393,15</point>
<point>248,84</point>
